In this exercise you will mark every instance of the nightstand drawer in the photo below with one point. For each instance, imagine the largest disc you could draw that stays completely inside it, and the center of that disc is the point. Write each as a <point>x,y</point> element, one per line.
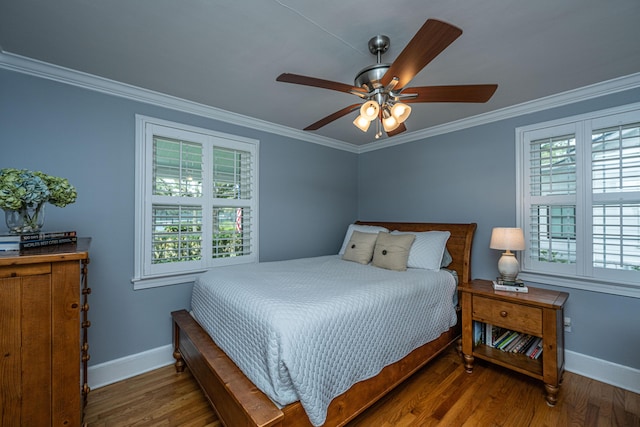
<point>508,315</point>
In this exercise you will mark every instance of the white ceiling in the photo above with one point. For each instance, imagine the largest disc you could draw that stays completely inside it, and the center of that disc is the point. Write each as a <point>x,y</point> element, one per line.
<point>227,54</point>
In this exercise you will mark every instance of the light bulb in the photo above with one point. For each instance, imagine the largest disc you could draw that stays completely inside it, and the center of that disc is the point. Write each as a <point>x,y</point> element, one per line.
<point>371,111</point>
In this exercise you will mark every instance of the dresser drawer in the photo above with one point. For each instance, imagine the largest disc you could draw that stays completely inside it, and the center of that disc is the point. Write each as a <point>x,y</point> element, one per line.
<point>517,317</point>
<point>25,270</point>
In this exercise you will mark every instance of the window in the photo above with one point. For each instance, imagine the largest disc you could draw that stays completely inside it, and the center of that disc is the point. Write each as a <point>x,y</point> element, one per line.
<point>196,201</point>
<point>579,201</point>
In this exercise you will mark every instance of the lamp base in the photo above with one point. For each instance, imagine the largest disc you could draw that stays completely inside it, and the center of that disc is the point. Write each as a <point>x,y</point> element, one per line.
<point>508,266</point>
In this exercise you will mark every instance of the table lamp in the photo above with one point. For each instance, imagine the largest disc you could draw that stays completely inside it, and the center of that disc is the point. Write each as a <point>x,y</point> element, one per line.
<point>507,239</point>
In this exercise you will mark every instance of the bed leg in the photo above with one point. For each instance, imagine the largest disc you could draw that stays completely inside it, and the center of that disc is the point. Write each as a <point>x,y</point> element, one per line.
<point>176,349</point>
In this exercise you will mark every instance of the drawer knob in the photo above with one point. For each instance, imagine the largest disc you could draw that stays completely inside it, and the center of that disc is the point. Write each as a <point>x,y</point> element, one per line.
<point>503,313</point>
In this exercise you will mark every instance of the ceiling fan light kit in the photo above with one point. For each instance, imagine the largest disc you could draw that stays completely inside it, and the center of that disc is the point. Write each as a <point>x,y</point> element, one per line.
<point>383,86</point>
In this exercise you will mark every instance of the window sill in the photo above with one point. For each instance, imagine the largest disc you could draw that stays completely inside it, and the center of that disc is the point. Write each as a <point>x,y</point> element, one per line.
<point>155,282</point>
<point>583,283</point>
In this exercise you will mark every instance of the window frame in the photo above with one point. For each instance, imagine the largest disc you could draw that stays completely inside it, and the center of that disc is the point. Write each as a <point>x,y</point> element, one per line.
<point>582,274</point>
<point>147,275</point>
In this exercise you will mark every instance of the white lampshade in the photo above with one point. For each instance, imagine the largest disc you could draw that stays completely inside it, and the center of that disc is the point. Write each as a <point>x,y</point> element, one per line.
<point>390,123</point>
<point>400,111</point>
<point>362,123</point>
<point>370,110</point>
<point>507,239</point>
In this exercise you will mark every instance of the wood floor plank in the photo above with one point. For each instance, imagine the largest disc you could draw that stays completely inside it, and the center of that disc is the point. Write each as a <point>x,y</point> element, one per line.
<point>440,394</point>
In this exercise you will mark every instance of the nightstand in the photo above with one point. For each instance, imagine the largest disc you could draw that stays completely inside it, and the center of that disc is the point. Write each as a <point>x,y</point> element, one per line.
<point>539,313</point>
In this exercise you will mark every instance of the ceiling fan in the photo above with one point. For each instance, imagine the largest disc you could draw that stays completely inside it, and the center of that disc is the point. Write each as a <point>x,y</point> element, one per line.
<point>383,87</point>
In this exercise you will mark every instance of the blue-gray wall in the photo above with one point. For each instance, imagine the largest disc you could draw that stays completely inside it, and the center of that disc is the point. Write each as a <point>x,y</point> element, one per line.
<point>308,196</point>
<point>469,176</point>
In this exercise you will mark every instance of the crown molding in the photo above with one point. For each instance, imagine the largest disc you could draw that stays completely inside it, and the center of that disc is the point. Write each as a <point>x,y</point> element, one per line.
<point>48,71</point>
<point>83,80</point>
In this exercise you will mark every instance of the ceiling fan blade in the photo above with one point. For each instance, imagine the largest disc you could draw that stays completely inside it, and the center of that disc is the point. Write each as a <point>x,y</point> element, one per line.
<point>434,37</point>
<point>401,128</point>
<point>459,93</point>
<point>312,81</point>
<point>322,122</point>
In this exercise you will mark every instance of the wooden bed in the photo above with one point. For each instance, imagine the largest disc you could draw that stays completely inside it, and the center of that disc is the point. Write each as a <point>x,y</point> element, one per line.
<point>238,402</point>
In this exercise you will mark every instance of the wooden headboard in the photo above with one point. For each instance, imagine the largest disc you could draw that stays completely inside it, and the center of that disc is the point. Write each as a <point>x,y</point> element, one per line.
<point>459,244</point>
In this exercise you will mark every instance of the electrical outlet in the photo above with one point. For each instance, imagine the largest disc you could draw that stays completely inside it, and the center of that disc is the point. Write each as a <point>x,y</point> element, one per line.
<point>567,324</point>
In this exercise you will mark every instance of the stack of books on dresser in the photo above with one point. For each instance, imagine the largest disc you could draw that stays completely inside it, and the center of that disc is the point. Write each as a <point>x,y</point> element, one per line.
<point>37,242</point>
<point>507,340</point>
<point>510,286</point>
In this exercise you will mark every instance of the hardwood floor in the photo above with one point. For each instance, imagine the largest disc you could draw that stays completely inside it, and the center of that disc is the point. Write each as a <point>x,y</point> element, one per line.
<point>441,394</point>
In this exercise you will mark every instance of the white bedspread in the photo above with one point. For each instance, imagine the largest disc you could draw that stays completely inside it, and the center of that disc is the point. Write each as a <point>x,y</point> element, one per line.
<point>308,329</point>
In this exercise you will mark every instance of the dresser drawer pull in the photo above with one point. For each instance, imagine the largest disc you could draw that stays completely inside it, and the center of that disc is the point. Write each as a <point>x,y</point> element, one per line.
<point>503,313</point>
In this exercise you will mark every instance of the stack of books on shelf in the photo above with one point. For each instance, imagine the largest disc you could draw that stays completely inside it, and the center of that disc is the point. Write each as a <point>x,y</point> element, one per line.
<point>510,286</point>
<point>36,242</point>
<point>506,340</point>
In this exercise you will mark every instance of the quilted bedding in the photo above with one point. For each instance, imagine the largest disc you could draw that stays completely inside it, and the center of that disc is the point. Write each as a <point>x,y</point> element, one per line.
<point>309,329</point>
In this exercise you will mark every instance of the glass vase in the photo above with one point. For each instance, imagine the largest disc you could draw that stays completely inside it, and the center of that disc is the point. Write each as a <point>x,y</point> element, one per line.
<point>28,219</point>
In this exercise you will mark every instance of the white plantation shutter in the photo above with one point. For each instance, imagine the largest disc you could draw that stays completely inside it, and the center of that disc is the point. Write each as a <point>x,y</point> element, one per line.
<point>579,187</point>
<point>552,171</point>
<point>616,197</point>
<point>196,193</point>
<point>232,192</point>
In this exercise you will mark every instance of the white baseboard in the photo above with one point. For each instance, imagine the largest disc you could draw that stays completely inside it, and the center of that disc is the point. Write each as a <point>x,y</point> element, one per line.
<point>129,366</point>
<point>602,370</point>
<point>126,367</point>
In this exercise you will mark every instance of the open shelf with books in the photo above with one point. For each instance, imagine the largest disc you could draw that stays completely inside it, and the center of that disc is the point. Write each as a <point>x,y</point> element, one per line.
<point>512,349</point>
<point>519,331</point>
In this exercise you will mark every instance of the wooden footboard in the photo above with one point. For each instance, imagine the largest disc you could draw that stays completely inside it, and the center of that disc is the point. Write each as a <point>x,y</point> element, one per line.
<point>238,402</point>
<point>233,396</point>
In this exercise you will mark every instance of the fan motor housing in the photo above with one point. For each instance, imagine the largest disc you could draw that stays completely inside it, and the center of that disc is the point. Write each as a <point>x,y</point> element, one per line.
<point>369,77</point>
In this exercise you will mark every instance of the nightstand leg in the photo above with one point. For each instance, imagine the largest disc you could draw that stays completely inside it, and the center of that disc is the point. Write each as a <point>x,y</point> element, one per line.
<point>552,394</point>
<point>468,363</point>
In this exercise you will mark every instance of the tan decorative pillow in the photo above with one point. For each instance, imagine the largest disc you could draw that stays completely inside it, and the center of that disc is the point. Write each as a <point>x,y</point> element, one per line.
<point>392,251</point>
<point>360,247</point>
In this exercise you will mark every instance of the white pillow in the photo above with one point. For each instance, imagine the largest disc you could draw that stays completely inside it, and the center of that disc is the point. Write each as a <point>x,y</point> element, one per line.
<point>362,228</point>
<point>427,250</point>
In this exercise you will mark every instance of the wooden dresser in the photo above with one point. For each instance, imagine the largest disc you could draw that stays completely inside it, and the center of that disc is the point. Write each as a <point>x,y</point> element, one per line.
<point>43,337</point>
